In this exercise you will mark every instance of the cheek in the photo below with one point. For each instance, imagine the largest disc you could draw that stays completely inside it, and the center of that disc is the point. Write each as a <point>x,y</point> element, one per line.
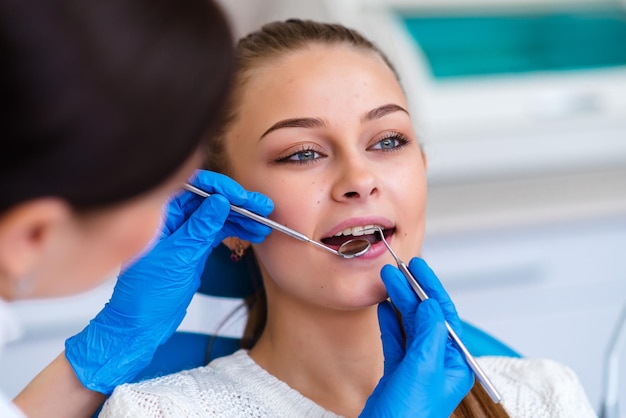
<point>296,210</point>
<point>407,190</point>
<point>138,231</point>
<point>297,198</point>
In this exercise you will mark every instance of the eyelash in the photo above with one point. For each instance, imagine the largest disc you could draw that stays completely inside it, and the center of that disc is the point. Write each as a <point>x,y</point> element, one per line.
<point>402,141</point>
<point>287,158</point>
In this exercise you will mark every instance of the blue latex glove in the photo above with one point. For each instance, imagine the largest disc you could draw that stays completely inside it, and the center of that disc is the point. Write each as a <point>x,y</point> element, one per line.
<point>427,376</point>
<point>151,296</point>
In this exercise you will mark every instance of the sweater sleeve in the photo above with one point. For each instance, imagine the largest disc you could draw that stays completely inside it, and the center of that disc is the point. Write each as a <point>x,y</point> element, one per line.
<point>537,388</point>
<point>172,396</point>
<point>128,401</point>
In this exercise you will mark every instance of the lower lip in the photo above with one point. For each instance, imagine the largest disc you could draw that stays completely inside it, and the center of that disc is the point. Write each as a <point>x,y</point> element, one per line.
<point>375,251</point>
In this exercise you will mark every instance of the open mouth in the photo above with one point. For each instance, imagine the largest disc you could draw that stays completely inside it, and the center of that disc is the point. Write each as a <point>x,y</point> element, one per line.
<point>368,232</point>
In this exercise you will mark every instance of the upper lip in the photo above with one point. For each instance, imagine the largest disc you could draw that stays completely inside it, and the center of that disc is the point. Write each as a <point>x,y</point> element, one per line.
<point>383,222</point>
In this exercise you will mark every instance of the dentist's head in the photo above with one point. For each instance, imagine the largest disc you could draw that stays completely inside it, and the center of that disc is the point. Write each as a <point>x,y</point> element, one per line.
<point>104,105</point>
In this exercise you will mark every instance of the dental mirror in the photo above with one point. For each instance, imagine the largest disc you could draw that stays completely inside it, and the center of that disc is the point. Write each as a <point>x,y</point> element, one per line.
<point>354,247</point>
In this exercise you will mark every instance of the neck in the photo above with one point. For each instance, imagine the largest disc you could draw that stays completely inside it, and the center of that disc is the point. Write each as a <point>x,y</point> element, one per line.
<point>332,357</point>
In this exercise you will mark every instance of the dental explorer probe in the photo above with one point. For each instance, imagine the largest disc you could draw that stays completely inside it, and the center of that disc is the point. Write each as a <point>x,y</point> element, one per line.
<point>354,248</point>
<point>471,361</point>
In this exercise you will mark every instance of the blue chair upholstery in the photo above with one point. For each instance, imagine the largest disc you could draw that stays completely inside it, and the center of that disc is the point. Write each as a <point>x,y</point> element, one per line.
<point>224,278</point>
<point>480,343</point>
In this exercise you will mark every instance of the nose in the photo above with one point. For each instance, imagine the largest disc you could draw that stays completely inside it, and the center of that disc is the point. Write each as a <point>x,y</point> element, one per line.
<point>357,179</point>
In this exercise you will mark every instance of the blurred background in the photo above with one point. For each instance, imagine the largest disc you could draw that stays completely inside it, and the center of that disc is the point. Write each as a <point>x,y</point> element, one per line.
<point>521,107</point>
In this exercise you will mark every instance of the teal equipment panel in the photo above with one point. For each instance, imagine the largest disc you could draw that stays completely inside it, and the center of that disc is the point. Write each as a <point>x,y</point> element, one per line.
<point>462,45</point>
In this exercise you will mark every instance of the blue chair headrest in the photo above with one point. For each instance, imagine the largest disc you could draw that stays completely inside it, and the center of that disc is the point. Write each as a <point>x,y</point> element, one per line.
<point>224,277</point>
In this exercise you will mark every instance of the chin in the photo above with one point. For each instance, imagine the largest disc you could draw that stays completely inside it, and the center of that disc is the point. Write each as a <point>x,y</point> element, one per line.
<point>370,297</point>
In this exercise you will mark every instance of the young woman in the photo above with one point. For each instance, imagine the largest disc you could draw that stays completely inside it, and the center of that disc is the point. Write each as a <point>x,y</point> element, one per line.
<point>101,124</point>
<point>318,122</point>
<point>104,108</point>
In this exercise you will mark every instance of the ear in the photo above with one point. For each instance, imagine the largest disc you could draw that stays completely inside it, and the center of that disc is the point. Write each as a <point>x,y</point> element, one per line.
<point>24,233</point>
<point>234,243</point>
<point>236,246</point>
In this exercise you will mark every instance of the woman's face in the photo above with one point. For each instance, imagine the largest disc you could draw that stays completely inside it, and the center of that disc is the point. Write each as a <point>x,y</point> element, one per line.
<point>326,134</point>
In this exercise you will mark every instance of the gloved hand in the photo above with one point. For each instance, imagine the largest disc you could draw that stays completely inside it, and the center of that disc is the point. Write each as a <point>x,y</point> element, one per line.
<point>426,376</point>
<point>151,296</point>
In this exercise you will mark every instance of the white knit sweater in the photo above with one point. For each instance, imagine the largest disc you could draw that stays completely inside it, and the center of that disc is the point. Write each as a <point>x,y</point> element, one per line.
<point>235,386</point>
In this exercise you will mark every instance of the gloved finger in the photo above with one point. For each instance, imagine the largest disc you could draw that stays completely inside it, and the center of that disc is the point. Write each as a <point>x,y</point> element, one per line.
<point>236,225</point>
<point>207,221</point>
<point>431,334</point>
<point>216,183</point>
<point>393,351</point>
<point>402,296</point>
<point>258,203</point>
<point>187,203</point>
<point>391,335</point>
<point>460,376</point>
<point>178,210</point>
<point>455,363</point>
<point>434,289</point>
<point>445,353</point>
<point>245,228</point>
<point>428,280</point>
<point>439,362</point>
<point>425,353</point>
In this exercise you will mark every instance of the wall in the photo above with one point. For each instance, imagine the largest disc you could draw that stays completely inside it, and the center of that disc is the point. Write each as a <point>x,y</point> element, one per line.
<point>539,264</point>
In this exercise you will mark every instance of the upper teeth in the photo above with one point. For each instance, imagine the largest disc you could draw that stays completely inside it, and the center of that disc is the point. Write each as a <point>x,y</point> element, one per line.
<point>359,230</point>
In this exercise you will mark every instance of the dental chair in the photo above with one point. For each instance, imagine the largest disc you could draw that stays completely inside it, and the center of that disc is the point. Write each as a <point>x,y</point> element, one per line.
<point>225,278</point>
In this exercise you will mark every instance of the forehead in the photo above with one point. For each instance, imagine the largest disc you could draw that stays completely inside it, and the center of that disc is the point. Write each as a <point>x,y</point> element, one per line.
<point>319,79</point>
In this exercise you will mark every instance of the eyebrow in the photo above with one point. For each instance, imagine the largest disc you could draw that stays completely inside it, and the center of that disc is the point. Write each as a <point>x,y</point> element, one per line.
<point>377,113</point>
<point>381,111</point>
<point>295,123</point>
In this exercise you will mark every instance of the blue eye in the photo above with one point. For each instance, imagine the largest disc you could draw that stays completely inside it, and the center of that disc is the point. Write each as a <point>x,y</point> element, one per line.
<point>391,142</point>
<point>304,156</point>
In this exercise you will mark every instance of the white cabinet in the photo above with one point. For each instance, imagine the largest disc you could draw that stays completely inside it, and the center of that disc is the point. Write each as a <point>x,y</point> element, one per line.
<point>550,289</point>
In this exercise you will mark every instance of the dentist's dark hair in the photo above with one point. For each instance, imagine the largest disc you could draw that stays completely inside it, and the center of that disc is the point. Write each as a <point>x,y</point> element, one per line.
<point>258,50</point>
<point>104,100</point>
